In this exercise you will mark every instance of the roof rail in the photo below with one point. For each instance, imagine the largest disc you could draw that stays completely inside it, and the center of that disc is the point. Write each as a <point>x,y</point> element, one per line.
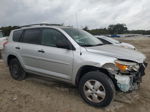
<point>41,24</point>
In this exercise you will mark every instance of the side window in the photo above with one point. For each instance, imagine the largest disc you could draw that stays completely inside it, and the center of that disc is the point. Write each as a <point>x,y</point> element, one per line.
<point>51,36</point>
<point>105,41</point>
<point>32,36</point>
<point>17,35</point>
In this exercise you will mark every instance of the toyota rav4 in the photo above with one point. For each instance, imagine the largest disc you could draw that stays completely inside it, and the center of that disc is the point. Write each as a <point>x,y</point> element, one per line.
<point>76,57</point>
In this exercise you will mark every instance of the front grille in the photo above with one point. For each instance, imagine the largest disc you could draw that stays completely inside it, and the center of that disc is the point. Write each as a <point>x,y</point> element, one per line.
<point>142,68</point>
<point>145,64</point>
<point>138,75</point>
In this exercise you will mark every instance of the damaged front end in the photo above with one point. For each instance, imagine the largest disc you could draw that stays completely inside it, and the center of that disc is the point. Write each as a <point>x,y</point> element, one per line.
<point>127,75</point>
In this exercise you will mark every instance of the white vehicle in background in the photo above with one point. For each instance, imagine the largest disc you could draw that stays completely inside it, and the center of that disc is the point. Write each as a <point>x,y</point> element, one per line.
<point>2,39</point>
<point>108,40</point>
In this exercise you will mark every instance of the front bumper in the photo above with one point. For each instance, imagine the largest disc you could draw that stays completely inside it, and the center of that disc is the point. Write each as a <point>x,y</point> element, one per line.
<point>131,81</point>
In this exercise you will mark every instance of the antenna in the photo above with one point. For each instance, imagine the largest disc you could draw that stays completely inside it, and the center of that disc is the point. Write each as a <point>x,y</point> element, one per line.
<point>77,21</point>
<point>77,30</point>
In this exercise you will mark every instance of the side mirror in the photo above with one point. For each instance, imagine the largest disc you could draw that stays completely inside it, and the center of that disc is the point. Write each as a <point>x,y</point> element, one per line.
<point>61,44</point>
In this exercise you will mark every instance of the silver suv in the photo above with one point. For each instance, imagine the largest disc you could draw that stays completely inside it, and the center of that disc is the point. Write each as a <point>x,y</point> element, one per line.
<point>76,57</point>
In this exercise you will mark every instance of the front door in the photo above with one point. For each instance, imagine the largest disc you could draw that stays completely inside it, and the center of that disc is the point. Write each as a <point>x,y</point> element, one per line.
<point>54,61</point>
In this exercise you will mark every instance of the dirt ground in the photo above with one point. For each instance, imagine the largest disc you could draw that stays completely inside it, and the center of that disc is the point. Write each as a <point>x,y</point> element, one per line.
<point>37,95</point>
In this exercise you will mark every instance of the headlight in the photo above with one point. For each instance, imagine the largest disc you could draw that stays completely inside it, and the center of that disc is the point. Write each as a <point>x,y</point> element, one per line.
<point>125,66</point>
<point>125,47</point>
<point>110,66</point>
<point>129,47</point>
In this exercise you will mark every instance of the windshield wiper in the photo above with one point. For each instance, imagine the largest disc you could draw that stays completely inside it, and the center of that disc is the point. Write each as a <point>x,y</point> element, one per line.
<point>99,44</point>
<point>87,45</point>
<point>91,45</point>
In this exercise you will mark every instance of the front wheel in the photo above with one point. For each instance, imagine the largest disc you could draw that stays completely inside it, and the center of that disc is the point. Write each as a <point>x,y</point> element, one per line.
<point>16,70</point>
<point>97,89</point>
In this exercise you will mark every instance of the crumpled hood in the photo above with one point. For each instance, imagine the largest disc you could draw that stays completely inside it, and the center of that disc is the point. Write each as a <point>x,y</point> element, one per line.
<point>118,52</point>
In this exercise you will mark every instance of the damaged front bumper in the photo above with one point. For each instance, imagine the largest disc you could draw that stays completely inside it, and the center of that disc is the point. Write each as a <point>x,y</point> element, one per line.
<point>131,81</point>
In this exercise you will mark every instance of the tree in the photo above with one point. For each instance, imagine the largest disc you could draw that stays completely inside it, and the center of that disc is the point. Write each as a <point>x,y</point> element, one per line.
<point>86,28</point>
<point>117,29</point>
<point>6,30</point>
<point>98,31</point>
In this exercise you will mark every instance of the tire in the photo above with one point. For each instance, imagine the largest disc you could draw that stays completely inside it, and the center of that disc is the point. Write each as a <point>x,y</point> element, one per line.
<point>96,89</point>
<point>16,70</point>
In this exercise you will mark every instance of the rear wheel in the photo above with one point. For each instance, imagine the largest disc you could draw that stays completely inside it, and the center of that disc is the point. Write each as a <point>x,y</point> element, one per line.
<point>16,70</point>
<point>97,89</point>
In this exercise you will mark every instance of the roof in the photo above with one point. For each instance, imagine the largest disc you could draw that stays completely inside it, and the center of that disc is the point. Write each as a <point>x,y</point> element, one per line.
<point>42,25</point>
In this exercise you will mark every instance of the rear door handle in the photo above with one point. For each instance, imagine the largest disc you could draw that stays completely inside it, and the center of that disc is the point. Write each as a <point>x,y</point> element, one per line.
<point>41,51</point>
<point>17,47</point>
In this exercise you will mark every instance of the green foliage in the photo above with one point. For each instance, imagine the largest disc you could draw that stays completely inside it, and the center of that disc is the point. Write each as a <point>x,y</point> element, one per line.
<point>86,28</point>
<point>144,32</point>
<point>6,30</point>
<point>117,29</point>
<point>98,31</point>
<point>112,29</point>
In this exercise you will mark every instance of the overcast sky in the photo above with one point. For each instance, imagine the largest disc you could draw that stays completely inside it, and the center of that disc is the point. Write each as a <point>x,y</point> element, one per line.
<point>91,13</point>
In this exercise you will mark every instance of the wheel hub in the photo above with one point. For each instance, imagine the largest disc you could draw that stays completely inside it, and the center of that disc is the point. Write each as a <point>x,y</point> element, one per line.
<point>94,91</point>
<point>14,69</point>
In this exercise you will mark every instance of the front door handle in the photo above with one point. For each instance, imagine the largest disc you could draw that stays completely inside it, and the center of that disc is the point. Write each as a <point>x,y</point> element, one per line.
<point>17,47</point>
<point>41,51</point>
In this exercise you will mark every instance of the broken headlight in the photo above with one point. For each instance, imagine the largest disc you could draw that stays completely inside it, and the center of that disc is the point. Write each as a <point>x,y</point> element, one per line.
<point>125,66</point>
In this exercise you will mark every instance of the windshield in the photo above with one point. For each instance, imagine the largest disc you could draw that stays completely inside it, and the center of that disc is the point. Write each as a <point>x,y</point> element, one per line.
<point>1,34</point>
<point>83,38</point>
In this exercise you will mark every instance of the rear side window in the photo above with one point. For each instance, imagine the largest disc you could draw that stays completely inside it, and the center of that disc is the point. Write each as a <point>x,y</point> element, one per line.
<point>32,36</point>
<point>17,35</point>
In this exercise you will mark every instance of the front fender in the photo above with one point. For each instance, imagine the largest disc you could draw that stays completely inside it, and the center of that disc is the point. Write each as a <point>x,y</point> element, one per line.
<point>89,59</point>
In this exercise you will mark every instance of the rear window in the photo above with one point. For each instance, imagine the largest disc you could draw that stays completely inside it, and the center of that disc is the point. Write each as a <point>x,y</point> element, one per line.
<point>17,35</point>
<point>32,36</point>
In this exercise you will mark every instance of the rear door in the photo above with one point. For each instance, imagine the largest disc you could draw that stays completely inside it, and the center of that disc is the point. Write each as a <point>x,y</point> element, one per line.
<point>29,46</point>
<point>14,46</point>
